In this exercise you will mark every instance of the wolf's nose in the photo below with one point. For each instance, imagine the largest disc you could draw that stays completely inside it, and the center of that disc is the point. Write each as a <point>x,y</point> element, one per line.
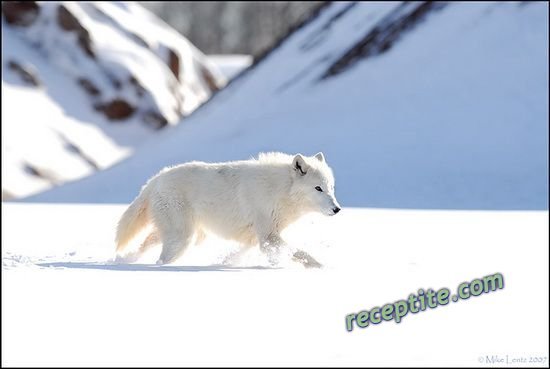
<point>336,210</point>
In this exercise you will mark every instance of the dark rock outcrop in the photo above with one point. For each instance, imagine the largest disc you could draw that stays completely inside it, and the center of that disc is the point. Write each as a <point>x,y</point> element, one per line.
<point>209,79</point>
<point>155,119</point>
<point>382,37</point>
<point>89,87</point>
<point>20,13</point>
<point>117,109</point>
<point>69,22</point>
<point>174,63</point>
<point>140,90</point>
<point>25,73</point>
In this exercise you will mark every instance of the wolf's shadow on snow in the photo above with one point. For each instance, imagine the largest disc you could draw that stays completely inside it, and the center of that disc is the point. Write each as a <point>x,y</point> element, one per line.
<point>151,267</point>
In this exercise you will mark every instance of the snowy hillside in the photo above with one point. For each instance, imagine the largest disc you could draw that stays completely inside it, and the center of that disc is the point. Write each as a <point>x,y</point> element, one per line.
<point>230,65</point>
<point>83,84</point>
<point>415,105</point>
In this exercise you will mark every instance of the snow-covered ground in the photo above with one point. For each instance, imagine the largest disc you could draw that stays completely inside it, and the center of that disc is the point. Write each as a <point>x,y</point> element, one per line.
<point>64,303</point>
<point>449,113</point>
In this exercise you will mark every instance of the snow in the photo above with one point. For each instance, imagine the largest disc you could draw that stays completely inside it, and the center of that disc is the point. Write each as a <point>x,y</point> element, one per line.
<point>36,126</point>
<point>230,64</point>
<point>159,36</point>
<point>64,303</point>
<point>453,116</point>
<point>114,28</point>
<point>43,126</point>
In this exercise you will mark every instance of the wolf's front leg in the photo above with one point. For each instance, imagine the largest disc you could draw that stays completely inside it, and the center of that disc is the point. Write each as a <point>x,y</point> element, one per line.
<point>271,246</point>
<point>305,259</point>
<point>271,243</point>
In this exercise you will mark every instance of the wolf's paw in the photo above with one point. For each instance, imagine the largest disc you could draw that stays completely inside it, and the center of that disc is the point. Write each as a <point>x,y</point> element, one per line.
<point>126,259</point>
<point>273,259</point>
<point>306,260</point>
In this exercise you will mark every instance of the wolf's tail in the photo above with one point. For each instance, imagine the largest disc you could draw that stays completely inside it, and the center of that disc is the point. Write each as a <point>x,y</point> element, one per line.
<point>133,219</point>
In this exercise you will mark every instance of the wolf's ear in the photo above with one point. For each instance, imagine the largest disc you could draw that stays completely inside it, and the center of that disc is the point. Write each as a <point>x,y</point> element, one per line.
<point>299,165</point>
<point>319,156</point>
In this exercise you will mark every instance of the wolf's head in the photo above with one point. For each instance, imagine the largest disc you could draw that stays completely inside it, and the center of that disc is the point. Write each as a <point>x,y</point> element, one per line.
<point>313,183</point>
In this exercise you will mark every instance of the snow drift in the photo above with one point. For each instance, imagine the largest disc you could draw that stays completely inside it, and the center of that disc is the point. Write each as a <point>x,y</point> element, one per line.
<point>415,105</point>
<point>92,80</point>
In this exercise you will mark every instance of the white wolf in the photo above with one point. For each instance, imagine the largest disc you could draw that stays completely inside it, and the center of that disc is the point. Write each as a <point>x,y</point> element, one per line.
<point>250,201</point>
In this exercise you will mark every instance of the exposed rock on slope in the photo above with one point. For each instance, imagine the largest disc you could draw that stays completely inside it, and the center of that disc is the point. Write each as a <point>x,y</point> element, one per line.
<point>97,77</point>
<point>125,59</point>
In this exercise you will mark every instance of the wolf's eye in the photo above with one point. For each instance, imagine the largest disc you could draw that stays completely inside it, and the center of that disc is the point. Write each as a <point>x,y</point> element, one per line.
<point>319,189</point>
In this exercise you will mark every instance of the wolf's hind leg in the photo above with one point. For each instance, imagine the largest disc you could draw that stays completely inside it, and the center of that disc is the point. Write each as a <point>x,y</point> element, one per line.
<point>174,244</point>
<point>175,241</point>
<point>176,228</point>
<point>150,241</point>
<point>235,256</point>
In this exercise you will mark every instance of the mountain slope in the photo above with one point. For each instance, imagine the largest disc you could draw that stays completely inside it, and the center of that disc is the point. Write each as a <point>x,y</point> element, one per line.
<point>414,105</point>
<point>92,81</point>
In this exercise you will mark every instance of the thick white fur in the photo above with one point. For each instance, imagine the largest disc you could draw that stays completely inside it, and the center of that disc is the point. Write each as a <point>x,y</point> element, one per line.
<point>250,201</point>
